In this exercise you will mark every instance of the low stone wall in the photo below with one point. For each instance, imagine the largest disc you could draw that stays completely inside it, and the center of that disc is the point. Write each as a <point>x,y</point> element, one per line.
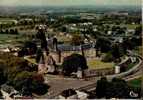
<point>98,72</point>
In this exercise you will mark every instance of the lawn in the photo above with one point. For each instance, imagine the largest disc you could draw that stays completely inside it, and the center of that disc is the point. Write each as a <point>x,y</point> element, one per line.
<point>135,83</point>
<point>97,64</point>
<point>132,64</point>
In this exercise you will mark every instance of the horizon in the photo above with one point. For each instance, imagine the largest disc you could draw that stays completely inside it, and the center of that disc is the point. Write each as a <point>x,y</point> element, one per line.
<point>14,3</point>
<point>67,6</point>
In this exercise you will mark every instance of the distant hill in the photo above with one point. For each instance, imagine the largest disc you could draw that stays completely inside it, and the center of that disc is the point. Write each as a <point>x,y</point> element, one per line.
<point>56,9</point>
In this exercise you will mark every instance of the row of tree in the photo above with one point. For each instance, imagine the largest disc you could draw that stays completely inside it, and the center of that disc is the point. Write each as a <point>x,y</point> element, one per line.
<point>9,31</point>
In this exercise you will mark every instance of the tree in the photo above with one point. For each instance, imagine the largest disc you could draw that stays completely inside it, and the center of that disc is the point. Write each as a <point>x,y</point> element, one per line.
<point>39,88</point>
<point>22,79</point>
<point>136,41</point>
<point>120,31</point>
<point>124,46</point>
<point>117,51</point>
<point>118,89</point>
<point>7,31</point>
<point>55,43</point>
<point>73,62</point>
<point>15,67</point>
<point>101,87</point>
<point>138,31</point>
<point>31,46</point>
<point>63,29</point>
<point>128,44</point>
<point>82,51</point>
<point>22,52</point>
<point>39,54</point>
<point>19,75</point>
<point>26,91</point>
<point>103,44</point>
<point>11,31</point>
<point>41,35</point>
<point>16,31</point>
<point>3,78</point>
<point>1,95</point>
<point>29,82</point>
<point>89,30</point>
<point>59,55</point>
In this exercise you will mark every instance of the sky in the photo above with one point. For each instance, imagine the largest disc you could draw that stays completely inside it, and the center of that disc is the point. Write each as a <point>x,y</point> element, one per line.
<point>68,2</point>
